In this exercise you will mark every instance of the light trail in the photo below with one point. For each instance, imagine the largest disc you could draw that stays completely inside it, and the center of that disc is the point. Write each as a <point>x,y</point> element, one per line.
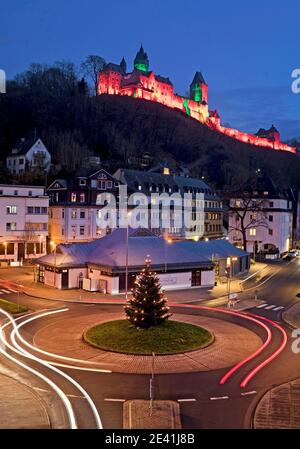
<point>261,365</point>
<point>51,354</point>
<point>59,392</point>
<point>15,333</point>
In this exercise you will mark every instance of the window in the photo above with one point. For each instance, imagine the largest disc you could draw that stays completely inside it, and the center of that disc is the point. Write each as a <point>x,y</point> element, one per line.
<point>30,193</point>
<point>74,214</point>
<point>271,204</point>
<point>82,214</point>
<point>37,210</point>
<point>82,197</point>
<point>10,249</point>
<point>94,183</point>
<point>81,230</point>
<point>11,210</point>
<point>109,184</point>
<point>16,192</point>
<point>11,226</point>
<point>21,161</point>
<point>252,231</point>
<point>44,210</point>
<point>1,192</point>
<point>73,197</point>
<point>63,213</point>
<point>270,231</point>
<point>270,217</point>
<point>82,182</point>
<point>30,210</point>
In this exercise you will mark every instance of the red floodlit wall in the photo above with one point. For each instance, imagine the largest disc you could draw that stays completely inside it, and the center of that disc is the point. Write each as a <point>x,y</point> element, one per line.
<point>251,138</point>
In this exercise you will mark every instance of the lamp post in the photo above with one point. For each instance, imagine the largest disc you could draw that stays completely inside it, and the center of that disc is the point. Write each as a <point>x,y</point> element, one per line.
<point>53,245</point>
<point>168,241</point>
<point>127,251</point>
<point>230,262</point>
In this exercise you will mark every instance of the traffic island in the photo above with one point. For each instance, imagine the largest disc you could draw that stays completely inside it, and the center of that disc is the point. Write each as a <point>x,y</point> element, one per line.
<point>12,307</point>
<point>171,337</point>
<point>141,414</point>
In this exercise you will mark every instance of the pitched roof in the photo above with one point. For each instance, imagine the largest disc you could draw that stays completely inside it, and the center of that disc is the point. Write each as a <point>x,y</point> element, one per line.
<point>110,251</point>
<point>135,178</point>
<point>198,79</point>
<point>24,145</point>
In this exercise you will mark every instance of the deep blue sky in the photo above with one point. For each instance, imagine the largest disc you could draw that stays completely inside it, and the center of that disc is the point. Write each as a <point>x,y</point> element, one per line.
<point>246,50</point>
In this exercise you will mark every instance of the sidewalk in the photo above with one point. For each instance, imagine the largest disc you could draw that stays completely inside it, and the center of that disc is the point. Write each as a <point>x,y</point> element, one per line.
<point>20,406</point>
<point>279,408</point>
<point>292,316</point>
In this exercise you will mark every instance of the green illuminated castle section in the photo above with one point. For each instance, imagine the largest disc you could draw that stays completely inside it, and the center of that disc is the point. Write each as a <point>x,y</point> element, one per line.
<point>141,61</point>
<point>196,87</point>
<point>142,67</point>
<point>186,106</point>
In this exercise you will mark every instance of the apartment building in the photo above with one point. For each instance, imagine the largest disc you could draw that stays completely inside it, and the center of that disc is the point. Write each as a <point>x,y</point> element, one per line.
<point>23,223</point>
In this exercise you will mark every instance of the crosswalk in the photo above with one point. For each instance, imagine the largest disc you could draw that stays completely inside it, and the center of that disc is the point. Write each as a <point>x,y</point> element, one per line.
<point>7,291</point>
<point>271,307</point>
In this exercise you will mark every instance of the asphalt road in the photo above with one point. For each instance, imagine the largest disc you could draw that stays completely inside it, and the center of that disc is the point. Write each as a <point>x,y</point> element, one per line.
<point>212,405</point>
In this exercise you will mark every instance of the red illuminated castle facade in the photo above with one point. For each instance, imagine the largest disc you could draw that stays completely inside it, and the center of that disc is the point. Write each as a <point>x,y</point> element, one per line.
<point>143,83</point>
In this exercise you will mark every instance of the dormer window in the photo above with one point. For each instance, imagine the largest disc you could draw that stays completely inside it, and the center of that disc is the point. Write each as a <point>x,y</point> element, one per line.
<point>82,182</point>
<point>102,176</point>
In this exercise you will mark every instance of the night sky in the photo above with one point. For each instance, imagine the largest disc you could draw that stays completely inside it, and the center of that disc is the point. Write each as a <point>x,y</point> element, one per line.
<point>246,50</point>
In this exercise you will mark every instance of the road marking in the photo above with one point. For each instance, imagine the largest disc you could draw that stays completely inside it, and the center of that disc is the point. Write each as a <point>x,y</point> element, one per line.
<point>1,293</point>
<point>219,398</point>
<point>114,400</point>
<point>14,291</point>
<point>270,307</point>
<point>248,393</point>
<point>262,305</point>
<point>187,400</point>
<point>5,291</point>
<point>278,308</point>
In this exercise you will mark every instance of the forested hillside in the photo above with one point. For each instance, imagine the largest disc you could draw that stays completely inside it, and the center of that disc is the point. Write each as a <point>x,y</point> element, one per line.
<point>73,125</point>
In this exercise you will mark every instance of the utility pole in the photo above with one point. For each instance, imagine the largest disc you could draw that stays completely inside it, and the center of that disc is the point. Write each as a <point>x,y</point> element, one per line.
<point>152,385</point>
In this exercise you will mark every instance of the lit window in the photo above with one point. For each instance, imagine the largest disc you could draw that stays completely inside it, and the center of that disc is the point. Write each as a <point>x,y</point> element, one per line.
<point>252,231</point>
<point>82,197</point>
<point>11,210</point>
<point>74,214</point>
<point>73,197</point>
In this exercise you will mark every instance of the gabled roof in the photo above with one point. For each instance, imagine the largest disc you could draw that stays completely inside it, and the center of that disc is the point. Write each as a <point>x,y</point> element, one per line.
<point>24,145</point>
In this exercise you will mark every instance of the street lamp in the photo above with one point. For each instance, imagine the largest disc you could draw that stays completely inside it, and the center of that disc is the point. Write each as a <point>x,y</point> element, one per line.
<point>230,263</point>
<point>127,250</point>
<point>168,241</point>
<point>53,245</point>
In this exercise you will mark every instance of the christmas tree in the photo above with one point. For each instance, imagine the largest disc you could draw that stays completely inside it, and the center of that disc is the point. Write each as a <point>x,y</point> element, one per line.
<point>148,304</point>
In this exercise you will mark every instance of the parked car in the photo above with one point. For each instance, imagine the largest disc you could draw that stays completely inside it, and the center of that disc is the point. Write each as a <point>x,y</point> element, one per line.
<point>293,253</point>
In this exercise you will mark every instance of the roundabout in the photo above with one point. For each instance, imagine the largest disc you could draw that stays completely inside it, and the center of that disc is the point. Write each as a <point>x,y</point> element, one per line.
<point>232,342</point>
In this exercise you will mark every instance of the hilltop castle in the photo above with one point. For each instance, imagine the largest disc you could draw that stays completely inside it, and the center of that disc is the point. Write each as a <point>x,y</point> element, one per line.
<point>144,83</point>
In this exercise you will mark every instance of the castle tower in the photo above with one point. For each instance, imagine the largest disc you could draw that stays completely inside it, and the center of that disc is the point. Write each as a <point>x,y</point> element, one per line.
<point>141,61</point>
<point>123,65</point>
<point>198,88</point>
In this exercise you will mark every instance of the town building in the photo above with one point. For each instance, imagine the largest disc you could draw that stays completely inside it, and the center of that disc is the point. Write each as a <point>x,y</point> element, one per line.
<point>145,84</point>
<point>206,219</point>
<point>73,212</point>
<point>29,155</point>
<point>262,217</point>
<point>24,223</point>
<point>101,265</point>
